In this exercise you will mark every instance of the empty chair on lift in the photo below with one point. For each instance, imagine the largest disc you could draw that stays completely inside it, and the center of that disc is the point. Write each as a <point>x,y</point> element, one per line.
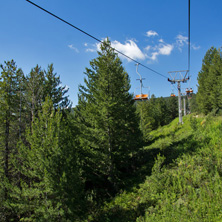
<point>141,97</point>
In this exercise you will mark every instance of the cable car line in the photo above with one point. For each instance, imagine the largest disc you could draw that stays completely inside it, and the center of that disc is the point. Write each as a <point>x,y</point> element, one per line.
<point>188,36</point>
<point>93,37</point>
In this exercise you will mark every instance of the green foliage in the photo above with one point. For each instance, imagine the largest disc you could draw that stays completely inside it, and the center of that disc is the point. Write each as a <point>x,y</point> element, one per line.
<point>89,165</point>
<point>156,112</point>
<point>50,187</point>
<point>209,95</point>
<point>194,108</point>
<point>54,90</point>
<point>39,85</point>
<point>185,189</point>
<point>38,169</point>
<point>108,123</point>
<point>10,129</point>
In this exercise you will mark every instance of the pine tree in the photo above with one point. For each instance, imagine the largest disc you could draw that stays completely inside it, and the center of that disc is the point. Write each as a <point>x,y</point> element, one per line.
<point>34,92</point>
<point>41,84</point>
<point>214,82</point>
<point>107,121</point>
<point>54,89</point>
<point>10,131</point>
<point>205,81</point>
<point>147,121</point>
<point>172,106</point>
<point>50,188</point>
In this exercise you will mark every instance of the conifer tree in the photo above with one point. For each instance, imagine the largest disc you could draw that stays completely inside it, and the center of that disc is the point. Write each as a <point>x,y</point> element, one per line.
<point>54,89</point>
<point>50,188</point>
<point>41,84</point>
<point>107,120</point>
<point>34,92</point>
<point>205,81</point>
<point>214,81</point>
<point>10,130</point>
<point>172,106</point>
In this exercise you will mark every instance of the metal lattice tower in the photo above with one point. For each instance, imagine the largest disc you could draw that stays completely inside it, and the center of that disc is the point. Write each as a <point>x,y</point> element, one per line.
<point>179,77</point>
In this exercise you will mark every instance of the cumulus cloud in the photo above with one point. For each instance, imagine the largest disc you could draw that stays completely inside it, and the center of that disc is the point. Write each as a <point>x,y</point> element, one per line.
<point>129,48</point>
<point>73,48</point>
<point>165,49</point>
<point>160,49</point>
<point>151,33</point>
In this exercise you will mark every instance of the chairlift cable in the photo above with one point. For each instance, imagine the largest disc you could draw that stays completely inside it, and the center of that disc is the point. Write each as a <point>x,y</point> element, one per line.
<point>93,37</point>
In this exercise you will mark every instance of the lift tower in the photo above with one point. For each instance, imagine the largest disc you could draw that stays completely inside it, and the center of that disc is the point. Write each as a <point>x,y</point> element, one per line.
<point>178,77</point>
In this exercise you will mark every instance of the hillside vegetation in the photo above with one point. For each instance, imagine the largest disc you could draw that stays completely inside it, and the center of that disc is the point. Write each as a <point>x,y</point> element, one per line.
<point>183,182</point>
<point>109,158</point>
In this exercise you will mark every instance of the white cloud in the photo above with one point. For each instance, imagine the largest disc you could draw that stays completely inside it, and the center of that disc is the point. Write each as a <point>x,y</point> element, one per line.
<point>98,46</point>
<point>165,49</point>
<point>129,48</point>
<point>180,41</point>
<point>148,48</point>
<point>151,52</point>
<point>195,47</point>
<point>73,48</point>
<point>154,56</point>
<point>161,49</point>
<point>183,40</point>
<point>151,33</point>
<point>92,47</point>
<point>90,50</point>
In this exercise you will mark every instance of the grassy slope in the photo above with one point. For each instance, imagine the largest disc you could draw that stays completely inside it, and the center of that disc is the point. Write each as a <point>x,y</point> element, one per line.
<point>184,168</point>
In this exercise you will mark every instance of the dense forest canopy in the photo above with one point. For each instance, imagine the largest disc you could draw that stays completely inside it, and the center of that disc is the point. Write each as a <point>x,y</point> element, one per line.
<point>99,161</point>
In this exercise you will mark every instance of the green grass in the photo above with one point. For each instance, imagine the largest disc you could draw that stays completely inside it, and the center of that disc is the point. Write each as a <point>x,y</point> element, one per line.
<point>181,179</point>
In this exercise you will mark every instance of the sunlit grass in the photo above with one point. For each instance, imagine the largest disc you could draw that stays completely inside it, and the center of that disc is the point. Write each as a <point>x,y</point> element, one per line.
<point>185,183</point>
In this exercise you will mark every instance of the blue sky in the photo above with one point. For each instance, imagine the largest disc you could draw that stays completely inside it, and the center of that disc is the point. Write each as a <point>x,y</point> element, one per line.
<point>153,32</point>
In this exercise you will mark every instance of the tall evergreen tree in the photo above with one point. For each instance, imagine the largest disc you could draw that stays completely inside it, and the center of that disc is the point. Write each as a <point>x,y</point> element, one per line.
<point>41,84</point>
<point>54,89</point>
<point>10,129</point>
<point>34,92</point>
<point>207,79</point>
<point>50,188</point>
<point>214,82</point>
<point>107,121</point>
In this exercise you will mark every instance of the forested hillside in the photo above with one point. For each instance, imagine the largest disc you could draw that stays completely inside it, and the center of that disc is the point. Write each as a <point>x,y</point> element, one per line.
<point>183,181</point>
<point>109,158</point>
